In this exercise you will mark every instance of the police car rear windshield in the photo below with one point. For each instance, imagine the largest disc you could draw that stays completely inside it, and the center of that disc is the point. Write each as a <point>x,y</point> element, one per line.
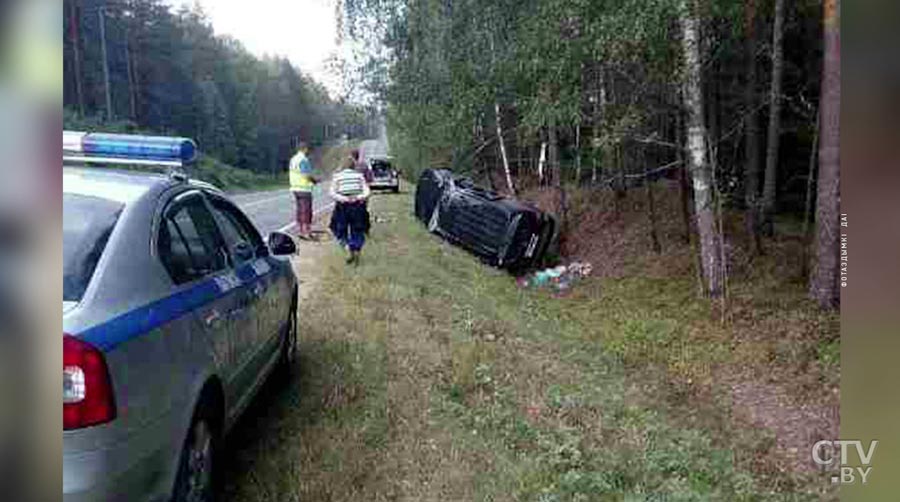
<point>87,224</point>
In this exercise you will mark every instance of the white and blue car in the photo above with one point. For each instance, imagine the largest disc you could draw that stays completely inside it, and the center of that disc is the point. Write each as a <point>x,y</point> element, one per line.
<point>175,312</point>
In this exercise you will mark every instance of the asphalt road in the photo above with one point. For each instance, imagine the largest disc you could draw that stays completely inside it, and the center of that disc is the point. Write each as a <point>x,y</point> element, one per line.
<point>273,210</point>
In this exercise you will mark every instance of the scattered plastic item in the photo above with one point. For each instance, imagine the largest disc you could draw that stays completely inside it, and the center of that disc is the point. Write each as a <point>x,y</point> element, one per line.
<point>560,278</point>
<point>540,278</point>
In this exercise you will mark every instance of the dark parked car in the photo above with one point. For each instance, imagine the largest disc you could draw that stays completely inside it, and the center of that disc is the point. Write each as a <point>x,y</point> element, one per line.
<point>384,176</point>
<point>503,232</point>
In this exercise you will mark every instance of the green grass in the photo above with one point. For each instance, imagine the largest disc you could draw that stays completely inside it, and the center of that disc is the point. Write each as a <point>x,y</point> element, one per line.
<point>428,376</point>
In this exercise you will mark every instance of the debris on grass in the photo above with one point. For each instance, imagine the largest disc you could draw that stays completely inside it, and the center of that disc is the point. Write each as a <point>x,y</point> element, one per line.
<point>560,279</point>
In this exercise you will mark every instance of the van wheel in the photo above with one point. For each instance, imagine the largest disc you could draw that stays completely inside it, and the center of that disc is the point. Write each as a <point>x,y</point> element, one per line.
<point>198,467</point>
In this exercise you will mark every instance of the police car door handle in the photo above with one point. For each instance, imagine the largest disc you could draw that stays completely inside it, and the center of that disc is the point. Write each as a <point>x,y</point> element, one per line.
<point>238,311</point>
<point>212,318</point>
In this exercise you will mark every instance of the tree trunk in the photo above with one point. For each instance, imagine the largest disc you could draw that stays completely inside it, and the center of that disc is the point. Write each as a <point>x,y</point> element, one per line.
<point>824,286</point>
<point>129,68</point>
<point>74,34</point>
<point>720,229</point>
<point>599,107</point>
<point>101,15</point>
<point>807,208</point>
<point>617,184</point>
<point>651,212</point>
<point>683,186</point>
<point>578,154</point>
<point>499,120</point>
<point>768,202</point>
<point>542,163</point>
<point>553,153</point>
<point>696,147</point>
<point>751,130</point>
<point>505,159</point>
<point>710,103</point>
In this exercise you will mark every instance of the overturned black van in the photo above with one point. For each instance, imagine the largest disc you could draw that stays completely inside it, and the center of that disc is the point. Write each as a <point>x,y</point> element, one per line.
<point>503,232</point>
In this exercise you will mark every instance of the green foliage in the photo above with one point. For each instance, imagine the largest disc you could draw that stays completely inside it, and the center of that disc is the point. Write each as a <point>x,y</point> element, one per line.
<point>171,74</point>
<point>610,69</point>
<point>73,121</point>
<point>227,177</point>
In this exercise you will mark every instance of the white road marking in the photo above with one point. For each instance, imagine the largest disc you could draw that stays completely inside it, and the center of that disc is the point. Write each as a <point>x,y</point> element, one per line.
<point>293,224</point>
<point>263,201</point>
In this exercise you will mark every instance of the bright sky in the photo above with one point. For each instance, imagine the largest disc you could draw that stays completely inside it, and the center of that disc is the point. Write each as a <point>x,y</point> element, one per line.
<point>301,30</point>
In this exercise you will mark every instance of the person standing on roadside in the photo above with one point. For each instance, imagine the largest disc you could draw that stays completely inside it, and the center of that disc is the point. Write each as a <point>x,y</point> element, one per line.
<point>348,220</point>
<point>302,183</point>
<point>363,168</point>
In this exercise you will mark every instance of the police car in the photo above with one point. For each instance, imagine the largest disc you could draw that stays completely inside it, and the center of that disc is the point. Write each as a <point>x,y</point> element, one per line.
<point>175,311</point>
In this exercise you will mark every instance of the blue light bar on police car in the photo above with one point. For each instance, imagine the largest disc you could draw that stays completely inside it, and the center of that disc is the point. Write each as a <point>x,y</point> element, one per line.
<point>128,148</point>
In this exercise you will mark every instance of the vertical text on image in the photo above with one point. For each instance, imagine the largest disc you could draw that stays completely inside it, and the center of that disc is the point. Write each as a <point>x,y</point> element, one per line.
<point>844,251</point>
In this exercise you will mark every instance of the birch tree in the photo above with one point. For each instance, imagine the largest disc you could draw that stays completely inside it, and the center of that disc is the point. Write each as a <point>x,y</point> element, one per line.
<point>499,119</point>
<point>697,150</point>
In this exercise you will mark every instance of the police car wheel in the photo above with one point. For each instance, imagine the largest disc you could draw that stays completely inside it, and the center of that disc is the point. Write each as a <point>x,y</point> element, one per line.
<point>196,481</point>
<point>289,344</point>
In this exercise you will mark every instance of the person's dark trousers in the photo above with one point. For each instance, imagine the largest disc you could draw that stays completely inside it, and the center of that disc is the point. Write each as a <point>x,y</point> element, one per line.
<point>348,224</point>
<point>337,225</point>
<point>368,218</point>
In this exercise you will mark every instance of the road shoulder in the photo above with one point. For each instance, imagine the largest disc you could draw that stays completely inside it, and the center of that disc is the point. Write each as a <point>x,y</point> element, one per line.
<point>307,262</point>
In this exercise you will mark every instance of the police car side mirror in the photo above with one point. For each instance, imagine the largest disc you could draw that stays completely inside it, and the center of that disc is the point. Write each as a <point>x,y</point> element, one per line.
<point>281,244</point>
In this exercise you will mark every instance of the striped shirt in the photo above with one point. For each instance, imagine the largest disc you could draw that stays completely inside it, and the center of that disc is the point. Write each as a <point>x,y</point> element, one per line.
<point>348,182</point>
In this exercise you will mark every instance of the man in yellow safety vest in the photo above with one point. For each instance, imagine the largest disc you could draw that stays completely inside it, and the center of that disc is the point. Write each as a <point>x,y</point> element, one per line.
<point>302,183</point>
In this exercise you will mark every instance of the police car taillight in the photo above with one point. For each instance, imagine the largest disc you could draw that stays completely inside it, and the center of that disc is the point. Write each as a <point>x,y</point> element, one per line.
<point>128,148</point>
<point>87,389</point>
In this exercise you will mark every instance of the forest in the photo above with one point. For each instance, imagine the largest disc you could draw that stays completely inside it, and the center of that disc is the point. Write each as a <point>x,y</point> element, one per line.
<point>167,72</point>
<point>730,106</point>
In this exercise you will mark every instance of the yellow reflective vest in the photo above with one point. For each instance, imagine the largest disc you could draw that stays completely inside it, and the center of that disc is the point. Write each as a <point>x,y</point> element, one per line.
<point>300,173</point>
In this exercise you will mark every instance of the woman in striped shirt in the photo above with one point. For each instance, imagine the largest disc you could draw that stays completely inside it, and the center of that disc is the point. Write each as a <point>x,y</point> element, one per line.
<point>348,220</point>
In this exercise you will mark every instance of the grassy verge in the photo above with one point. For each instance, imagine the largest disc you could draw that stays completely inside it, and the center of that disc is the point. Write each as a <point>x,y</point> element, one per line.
<point>427,376</point>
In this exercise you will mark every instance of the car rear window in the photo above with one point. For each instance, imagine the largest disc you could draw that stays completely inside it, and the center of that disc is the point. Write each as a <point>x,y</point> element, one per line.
<point>87,225</point>
<point>381,167</point>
